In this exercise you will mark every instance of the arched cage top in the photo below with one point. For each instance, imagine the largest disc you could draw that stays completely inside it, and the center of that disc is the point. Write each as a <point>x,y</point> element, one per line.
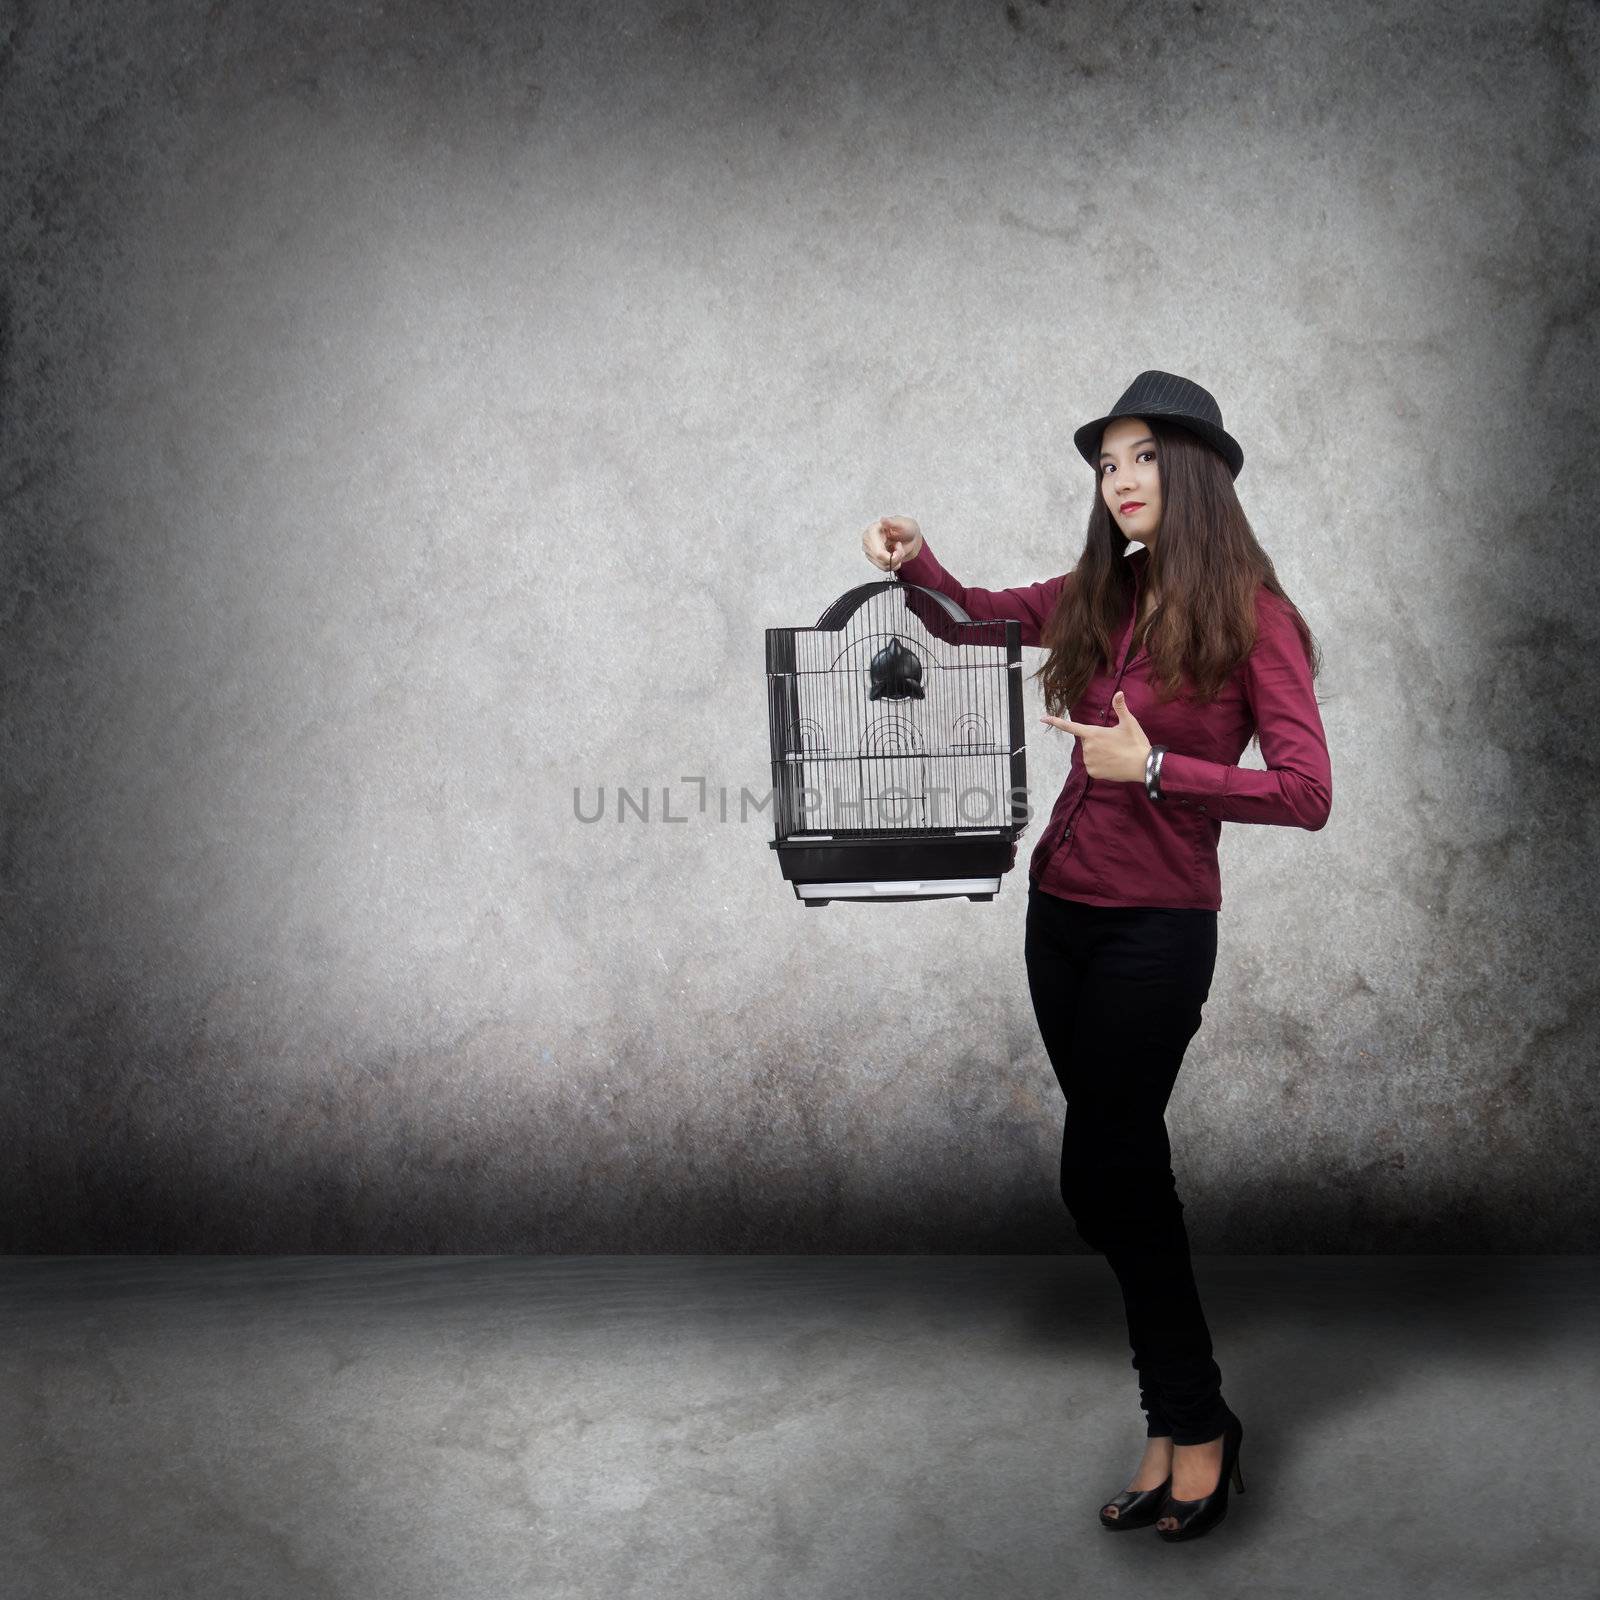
<point>923,620</point>
<point>840,612</point>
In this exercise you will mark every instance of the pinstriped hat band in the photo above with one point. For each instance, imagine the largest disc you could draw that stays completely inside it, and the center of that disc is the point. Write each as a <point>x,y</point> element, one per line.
<point>1172,399</point>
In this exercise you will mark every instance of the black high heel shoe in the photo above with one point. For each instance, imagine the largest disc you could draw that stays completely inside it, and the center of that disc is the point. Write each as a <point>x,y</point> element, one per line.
<point>1195,1517</point>
<point>1136,1508</point>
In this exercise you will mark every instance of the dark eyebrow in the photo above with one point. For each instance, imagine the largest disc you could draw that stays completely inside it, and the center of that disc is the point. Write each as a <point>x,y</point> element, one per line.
<point>1106,455</point>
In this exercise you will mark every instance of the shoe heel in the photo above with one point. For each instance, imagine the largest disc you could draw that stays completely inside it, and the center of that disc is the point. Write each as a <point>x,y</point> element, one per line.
<point>1238,1475</point>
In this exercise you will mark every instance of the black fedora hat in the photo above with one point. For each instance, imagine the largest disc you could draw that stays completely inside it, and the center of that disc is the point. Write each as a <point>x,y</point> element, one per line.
<point>1172,399</point>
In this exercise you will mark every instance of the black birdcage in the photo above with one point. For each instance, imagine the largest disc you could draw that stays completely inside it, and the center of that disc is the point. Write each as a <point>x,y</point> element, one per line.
<point>898,765</point>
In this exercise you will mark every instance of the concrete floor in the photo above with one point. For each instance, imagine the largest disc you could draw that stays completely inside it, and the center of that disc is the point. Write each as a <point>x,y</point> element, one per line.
<point>877,1426</point>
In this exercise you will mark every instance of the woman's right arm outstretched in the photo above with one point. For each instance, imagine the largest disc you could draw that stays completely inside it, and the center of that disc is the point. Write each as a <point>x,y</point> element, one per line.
<point>895,544</point>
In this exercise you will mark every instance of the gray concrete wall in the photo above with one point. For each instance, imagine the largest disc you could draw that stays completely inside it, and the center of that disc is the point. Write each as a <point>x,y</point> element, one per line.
<point>409,415</point>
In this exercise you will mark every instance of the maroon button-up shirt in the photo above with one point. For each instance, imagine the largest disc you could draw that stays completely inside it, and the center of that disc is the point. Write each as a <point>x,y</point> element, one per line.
<point>1107,842</point>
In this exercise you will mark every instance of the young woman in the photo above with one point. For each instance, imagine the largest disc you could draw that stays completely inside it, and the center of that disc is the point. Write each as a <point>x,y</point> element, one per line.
<point>1172,646</point>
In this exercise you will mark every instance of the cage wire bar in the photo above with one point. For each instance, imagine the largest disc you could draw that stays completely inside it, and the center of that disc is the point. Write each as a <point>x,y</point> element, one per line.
<point>897,719</point>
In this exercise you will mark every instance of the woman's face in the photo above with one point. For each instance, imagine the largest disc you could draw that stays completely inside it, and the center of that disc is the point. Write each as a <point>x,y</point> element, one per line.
<point>1130,471</point>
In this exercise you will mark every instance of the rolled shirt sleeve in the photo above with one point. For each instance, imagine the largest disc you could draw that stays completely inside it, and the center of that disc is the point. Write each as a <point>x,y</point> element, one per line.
<point>1296,790</point>
<point>1030,604</point>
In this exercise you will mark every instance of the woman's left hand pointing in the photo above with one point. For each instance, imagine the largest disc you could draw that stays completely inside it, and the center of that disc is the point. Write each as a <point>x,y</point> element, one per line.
<point>1114,753</point>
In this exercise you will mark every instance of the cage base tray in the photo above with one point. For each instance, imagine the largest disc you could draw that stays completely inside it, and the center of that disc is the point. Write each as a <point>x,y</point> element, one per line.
<point>895,889</point>
<point>926,867</point>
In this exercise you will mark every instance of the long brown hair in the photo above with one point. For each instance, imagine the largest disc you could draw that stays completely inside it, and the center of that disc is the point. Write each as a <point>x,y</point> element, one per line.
<point>1206,565</point>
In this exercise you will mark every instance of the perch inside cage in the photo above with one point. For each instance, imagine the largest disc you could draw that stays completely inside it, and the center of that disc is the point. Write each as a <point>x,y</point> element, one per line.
<point>898,762</point>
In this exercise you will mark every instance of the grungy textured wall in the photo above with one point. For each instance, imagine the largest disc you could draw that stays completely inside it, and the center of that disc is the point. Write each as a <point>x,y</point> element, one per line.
<point>412,415</point>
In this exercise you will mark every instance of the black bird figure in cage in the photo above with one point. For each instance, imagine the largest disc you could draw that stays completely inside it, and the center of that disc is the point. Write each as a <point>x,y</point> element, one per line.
<point>898,758</point>
<point>896,674</point>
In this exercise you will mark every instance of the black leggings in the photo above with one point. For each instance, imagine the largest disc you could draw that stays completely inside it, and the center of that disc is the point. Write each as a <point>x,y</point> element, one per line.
<point>1118,991</point>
